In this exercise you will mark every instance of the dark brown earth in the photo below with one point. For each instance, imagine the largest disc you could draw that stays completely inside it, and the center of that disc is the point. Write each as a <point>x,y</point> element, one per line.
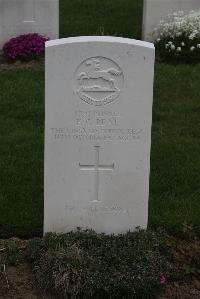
<point>17,282</point>
<point>34,64</point>
<point>185,259</point>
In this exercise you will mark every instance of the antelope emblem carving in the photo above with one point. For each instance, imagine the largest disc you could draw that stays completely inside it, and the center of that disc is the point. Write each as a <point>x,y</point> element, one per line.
<point>95,72</point>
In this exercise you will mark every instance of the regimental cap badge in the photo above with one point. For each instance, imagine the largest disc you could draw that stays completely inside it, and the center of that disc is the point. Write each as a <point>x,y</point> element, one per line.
<point>99,81</point>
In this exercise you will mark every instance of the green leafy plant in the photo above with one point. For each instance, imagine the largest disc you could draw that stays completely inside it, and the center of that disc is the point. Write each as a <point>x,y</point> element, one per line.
<point>12,254</point>
<point>85,264</point>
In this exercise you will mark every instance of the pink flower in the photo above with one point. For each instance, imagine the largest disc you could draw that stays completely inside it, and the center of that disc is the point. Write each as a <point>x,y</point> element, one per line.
<point>162,279</point>
<point>25,45</point>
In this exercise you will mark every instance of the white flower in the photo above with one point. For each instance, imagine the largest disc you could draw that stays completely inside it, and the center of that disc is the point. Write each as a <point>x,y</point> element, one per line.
<point>178,24</point>
<point>198,46</point>
<point>158,39</point>
<point>166,46</point>
<point>182,44</point>
<point>192,48</point>
<point>178,49</point>
<point>170,43</point>
<point>173,47</point>
<point>180,12</point>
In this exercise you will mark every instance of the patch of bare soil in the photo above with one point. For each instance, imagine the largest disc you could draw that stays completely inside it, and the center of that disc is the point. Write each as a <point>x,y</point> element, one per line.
<point>185,259</point>
<point>17,282</point>
<point>33,64</point>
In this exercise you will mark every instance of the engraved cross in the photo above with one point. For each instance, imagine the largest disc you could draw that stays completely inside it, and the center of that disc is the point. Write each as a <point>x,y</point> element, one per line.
<point>96,167</point>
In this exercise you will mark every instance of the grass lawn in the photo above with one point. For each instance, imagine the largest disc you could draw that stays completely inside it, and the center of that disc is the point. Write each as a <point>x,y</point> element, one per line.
<point>97,17</point>
<point>175,160</point>
<point>21,151</point>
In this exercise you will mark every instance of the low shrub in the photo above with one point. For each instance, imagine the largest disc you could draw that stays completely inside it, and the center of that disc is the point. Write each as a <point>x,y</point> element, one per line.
<point>177,39</point>
<point>25,47</point>
<point>85,264</point>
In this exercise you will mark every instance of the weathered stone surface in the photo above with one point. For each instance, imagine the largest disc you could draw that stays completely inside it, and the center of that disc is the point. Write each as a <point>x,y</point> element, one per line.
<point>99,93</point>
<point>28,16</point>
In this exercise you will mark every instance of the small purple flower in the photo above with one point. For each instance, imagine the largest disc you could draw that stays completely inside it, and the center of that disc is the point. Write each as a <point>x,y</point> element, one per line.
<point>25,46</point>
<point>162,279</point>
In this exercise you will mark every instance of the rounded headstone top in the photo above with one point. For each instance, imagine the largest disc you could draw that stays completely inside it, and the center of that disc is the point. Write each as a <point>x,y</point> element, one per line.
<point>106,39</point>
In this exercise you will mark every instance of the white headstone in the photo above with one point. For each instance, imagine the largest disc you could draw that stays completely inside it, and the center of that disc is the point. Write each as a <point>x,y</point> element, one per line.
<point>28,16</point>
<point>99,93</point>
<point>157,10</point>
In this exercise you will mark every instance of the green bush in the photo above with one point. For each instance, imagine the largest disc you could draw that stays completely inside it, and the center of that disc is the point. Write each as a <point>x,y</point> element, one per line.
<point>85,264</point>
<point>178,38</point>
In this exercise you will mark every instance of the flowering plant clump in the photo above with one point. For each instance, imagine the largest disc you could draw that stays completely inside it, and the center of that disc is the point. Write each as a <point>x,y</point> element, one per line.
<point>25,47</point>
<point>177,39</point>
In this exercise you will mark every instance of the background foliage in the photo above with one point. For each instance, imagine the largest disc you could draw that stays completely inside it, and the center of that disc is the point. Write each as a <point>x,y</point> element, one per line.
<point>97,17</point>
<point>178,38</point>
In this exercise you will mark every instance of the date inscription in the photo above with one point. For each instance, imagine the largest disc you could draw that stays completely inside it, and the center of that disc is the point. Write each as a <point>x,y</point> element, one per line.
<point>96,126</point>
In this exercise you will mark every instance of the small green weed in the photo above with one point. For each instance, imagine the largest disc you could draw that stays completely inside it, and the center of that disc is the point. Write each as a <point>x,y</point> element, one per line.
<point>12,254</point>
